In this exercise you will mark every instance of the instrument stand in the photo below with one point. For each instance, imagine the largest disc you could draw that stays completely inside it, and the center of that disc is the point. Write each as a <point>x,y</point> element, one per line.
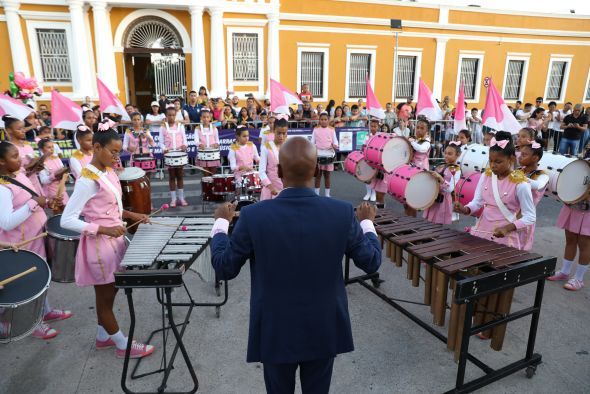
<point>192,302</point>
<point>469,291</point>
<point>166,364</point>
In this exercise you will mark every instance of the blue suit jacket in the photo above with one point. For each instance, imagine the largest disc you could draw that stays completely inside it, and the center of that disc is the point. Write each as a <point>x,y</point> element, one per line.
<point>298,305</point>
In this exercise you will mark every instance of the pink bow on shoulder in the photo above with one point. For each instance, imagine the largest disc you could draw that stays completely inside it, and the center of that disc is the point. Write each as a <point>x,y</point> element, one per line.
<point>501,144</point>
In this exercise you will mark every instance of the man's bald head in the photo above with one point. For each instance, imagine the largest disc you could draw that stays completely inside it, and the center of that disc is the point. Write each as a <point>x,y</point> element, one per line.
<point>298,160</point>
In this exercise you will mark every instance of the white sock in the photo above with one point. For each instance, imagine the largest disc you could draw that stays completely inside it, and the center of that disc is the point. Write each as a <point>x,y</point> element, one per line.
<point>46,306</point>
<point>317,191</point>
<point>580,271</point>
<point>566,268</point>
<point>327,192</point>
<point>373,193</point>
<point>120,340</point>
<point>173,195</point>
<point>101,334</point>
<point>180,193</point>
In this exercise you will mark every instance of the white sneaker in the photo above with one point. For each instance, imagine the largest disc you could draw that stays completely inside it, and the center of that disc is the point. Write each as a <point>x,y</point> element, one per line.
<point>373,196</point>
<point>367,196</point>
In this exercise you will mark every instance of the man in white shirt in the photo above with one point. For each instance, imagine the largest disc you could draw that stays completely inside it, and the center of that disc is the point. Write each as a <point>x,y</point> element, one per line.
<point>523,116</point>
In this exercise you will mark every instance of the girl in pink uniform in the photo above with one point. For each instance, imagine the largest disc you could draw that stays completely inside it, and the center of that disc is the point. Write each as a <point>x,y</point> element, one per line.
<point>53,172</point>
<point>377,188</point>
<point>81,157</point>
<point>324,138</point>
<point>442,210</point>
<point>22,218</point>
<point>242,154</point>
<point>173,138</point>
<point>421,144</point>
<point>502,192</point>
<point>269,161</point>
<point>138,141</point>
<point>208,138</point>
<point>530,155</point>
<point>525,136</point>
<point>97,197</point>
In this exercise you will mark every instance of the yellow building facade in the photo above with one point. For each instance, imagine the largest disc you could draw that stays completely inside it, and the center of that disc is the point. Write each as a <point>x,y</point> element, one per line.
<point>141,48</point>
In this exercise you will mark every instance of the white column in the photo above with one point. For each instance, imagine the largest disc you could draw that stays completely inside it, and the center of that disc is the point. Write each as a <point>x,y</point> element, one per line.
<point>20,60</point>
<point>439,66</point>
<point>82,77</point>
<point>199,64</point>
<point>218,83</point>
<point>103,41</point>
<point>273,48</point>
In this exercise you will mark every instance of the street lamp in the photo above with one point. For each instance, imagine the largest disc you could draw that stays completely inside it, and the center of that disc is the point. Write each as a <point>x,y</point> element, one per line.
<point>396,25</point>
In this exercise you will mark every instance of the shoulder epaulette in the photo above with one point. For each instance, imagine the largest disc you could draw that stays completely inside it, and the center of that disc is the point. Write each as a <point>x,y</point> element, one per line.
<point>249,143</point>
<point>86,173</point>
<point>488,171</point>
<point>517,176</point>
<point>78,154</point>
<point>3,181</point>
<point>267,145</point>
<point>537,173</point>
<point>234,146</point>
<point>26,143</point>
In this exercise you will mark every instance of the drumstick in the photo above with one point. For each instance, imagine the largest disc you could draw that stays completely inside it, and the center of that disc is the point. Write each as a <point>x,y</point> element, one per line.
<point>162,208</point>
<point>15,277</point>
<point>23,243</point>
<point>204,170</point>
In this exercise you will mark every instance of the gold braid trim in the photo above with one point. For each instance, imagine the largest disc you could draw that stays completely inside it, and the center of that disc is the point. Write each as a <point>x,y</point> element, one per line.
<point>488,171</point>
<point>3,181</point>
<point>249,143</point>
<point>78,154</point>
<point>234,146</point>
<point>517,176</point>
<point>267,144</point>
<point>86,173</point>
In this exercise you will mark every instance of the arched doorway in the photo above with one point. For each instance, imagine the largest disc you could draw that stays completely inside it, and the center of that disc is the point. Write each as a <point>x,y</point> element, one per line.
<point>154,61</point>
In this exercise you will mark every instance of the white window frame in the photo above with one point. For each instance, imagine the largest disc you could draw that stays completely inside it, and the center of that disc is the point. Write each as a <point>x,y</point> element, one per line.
<point>568,65</point>
<point>325,49</point>
<point>585,99</point>
<point>349,51</point>
<point>418,72</point>
<point>478,76</point>
<point>32,27</point>
<point>525,70</point>
<point>230,58</point>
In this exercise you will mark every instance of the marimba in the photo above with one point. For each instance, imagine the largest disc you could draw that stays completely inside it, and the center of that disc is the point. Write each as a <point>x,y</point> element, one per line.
<point>479,275</point>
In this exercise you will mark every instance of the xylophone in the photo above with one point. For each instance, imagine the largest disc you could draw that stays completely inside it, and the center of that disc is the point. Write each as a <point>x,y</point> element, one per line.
<point>481,276</point>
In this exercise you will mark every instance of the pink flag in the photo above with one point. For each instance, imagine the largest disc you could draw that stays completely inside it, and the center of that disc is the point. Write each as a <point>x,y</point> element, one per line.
<point>65,114</point>
<point>460,121</point>
<point>109,103</point>
<point>13,107</point>
<point>496,114</point>
<point>373,106</point>
<point>281,98</point>
<point>427,105</point>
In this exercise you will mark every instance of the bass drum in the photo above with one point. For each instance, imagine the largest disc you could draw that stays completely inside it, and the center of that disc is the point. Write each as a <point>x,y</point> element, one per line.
<point>475,158</point>
<point>465,190</point>
<point>569,177</point>
<point>413,186</point>
<point>386,152</point>
<point>356,166</point>
<point>21,301</point>
<point>137,192</point>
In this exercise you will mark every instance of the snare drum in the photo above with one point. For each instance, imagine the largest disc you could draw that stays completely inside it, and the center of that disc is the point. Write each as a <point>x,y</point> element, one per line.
<point>356,166</point>
<point>176,159</point>
<point>136,191</point>
<point>386,152</point>
<point>568,177</point>
<point>209,154</point>
<point>475,158</point>
<point>62,246</point>
<point>413,186</point>
<point>326,156</point>
<point>224,184</point>
<point>207,190</point>
<point>145,162</point>
<point>21,301</point>
<point>251,181</point>
<point>465,190</point>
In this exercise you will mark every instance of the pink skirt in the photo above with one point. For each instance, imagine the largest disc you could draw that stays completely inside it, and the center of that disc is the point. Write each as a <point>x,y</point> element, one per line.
<point>265,194</point>
<point>326,167</point>
<point>98,258</point>
<point>441,213</point>
<point>209,164</point>
<point>484,229</point>
<point>380,185</point>
<point>574,220</point>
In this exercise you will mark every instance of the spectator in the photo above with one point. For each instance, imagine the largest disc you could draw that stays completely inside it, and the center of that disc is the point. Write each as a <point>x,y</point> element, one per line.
<point>235,105</point>
<point>203,98</point>
<point>217,108</point>
<point>402,129</point>
<point>228,119</point>
<point>446,104</point>
<point>574,126</point>
<point>163,102</point>
<point>263,118</point>
<point>193,108</point>
<point>42,107</point>
<point>89,101</point>
<point>154,119</point>
<point>305,94</point>
<point>523,116</point>
<point>330,108</point>
<point>339,118</point>
<point>404,111</point>
<point>475,126</point>
<point>307,112</point>
<point>356,119</point>
<point>244,118</point>
<point>267,106</point>
<point>538,103</point>
<point>516,107</point>
<point>390,116</point>
<point>319,109</point>
<point>346,110</point>
<point>181,114</point>
<point>538,122</point>
<point>46,118</point>
<point>553,125</point>
<point>586,134</point>
<point>385,128</point>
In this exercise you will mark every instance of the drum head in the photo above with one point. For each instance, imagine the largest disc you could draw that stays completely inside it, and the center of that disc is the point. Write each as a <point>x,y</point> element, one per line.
<point>396,152</point>
<point>131,173</point>
<point>207,179</point>
<point>175,154</point>
<point>29,286</point>
<point>365,172</point>
<point>57,231</point>
<point>422,190</point>
<point>572,184</point>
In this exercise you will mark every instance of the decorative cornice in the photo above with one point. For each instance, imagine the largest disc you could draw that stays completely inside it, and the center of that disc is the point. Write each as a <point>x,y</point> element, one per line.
<point>44,16</point>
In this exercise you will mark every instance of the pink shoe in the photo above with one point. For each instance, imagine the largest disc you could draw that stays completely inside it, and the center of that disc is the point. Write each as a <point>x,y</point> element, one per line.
<point>182,202</point>
<point>173,204</point>
<point>573,284</point>
<point>138,350</point>
<point>43,331</point>
<point>558,276</point>
<point>101,345</point>
<point>57,314</point>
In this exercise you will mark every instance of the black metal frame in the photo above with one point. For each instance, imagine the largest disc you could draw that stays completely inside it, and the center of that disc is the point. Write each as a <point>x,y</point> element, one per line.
<point>469,291</point>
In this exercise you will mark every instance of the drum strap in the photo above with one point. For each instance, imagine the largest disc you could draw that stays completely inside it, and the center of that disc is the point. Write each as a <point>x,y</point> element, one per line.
<point>501,206</point>
<point>17,183</point>
<point>111,187</point>
<point>207,134</point>
<point>174,135</point>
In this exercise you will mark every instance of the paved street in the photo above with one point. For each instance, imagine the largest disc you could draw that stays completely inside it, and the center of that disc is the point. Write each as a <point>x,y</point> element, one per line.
<point>393,355</point>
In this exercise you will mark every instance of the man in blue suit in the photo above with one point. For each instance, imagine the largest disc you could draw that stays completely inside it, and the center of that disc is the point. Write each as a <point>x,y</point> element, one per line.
<point>295,244</point>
